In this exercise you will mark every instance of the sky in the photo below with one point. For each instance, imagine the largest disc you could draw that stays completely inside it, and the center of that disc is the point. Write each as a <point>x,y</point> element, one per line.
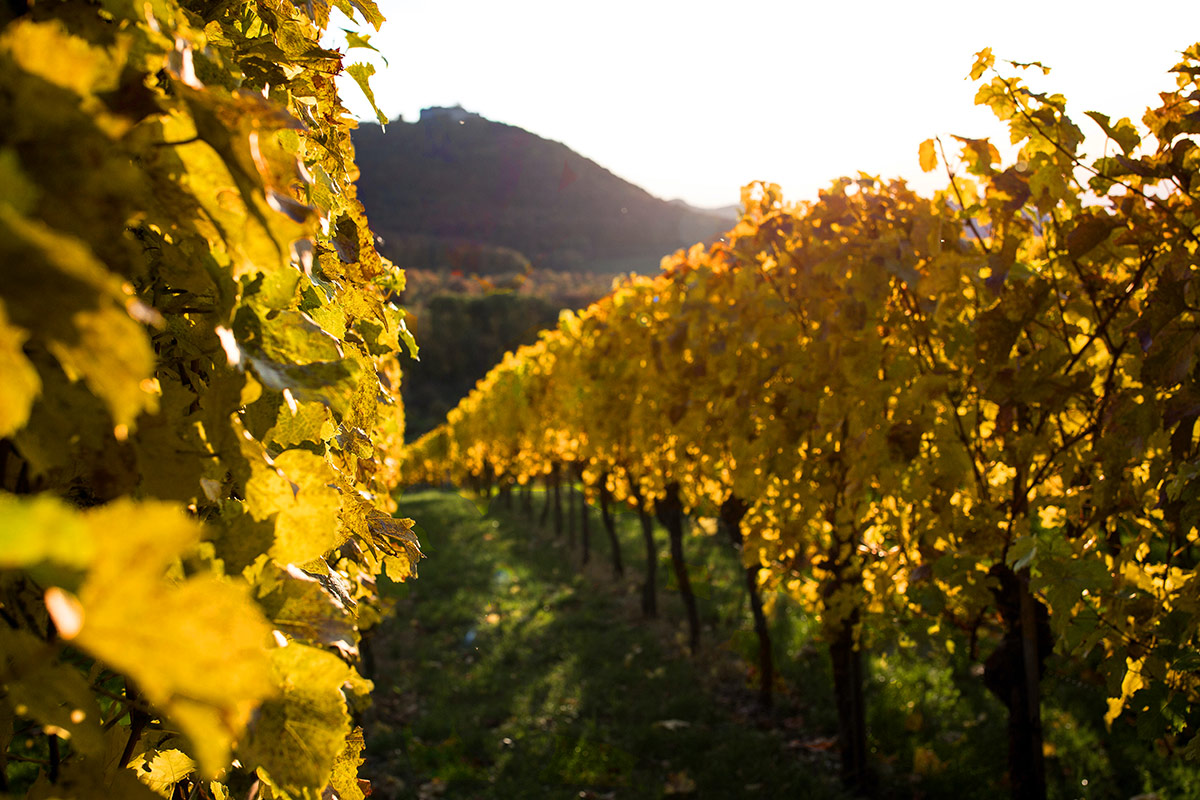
<point>694,99</point>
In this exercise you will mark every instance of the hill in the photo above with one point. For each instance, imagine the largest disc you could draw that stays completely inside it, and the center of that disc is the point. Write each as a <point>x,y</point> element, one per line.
<point>456,180</point>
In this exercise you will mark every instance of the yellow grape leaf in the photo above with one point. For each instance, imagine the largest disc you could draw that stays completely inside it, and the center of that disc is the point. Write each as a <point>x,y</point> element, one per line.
<point>112,355</point>
<point>304,607</point>
<point>345,767</point>
<point>75,65</point>
<point>21,384</point>
<point>393,537</point>
<point>297,486</point>
<point>1132,682</point>
<point>1088,233</point>
<point>370,12</point>
<point>197,649</point>
<point>241,539</point>
<point>298,735</point>
<point>307,526</point>
<point>268,491</point>
<point>396,538</point>
<point>59,292</point>
<point>42,530</point>
<point>983,61</point>
<point>928,156</point>
<point>292,337</point>
<point>979,154</point>
<point>1123,132</point>
<point>362,76</point>
<point>163,770</point>
<point>304,424</point>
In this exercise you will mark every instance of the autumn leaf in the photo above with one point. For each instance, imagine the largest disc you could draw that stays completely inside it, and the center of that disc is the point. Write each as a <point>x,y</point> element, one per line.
<point>928,156</point>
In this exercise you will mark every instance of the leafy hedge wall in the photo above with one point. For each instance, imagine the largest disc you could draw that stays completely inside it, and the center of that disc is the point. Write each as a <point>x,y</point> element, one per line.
<point>199,406</point>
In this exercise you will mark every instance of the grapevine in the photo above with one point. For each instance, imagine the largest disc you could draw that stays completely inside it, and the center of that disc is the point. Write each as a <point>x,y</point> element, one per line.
<point>200,422</point>
<point>979,405</point>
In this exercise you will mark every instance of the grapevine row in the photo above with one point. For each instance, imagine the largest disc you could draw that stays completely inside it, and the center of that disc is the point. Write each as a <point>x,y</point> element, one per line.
<point>906,407</point>
<point>199,419</point>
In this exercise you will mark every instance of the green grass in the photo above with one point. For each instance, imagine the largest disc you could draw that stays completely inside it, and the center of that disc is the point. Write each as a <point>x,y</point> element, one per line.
<point>507,671</point>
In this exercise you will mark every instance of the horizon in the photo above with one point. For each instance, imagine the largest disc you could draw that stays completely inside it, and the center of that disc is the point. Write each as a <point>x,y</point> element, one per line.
<point>400,120</point>
<point>812,96</point>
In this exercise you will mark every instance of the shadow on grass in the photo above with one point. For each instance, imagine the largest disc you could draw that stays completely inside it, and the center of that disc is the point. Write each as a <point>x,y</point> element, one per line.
<point>506,672</point>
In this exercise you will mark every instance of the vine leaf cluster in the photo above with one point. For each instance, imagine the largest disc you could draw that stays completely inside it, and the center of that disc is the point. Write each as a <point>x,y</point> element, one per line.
<point>199,420</point>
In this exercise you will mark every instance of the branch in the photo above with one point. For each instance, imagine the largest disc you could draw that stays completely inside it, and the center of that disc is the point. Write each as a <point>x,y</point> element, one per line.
<point>961,203</point>
<point>1024,111</point>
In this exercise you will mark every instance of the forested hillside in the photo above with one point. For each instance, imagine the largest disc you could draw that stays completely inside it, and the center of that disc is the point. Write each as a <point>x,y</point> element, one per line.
<point>462,180</point>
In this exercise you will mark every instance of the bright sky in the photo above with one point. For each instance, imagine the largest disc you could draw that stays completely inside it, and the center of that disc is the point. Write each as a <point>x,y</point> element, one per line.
<point>692,99</point>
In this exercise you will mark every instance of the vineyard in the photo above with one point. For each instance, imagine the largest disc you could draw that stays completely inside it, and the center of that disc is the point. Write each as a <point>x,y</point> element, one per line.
<point>977,410</point>
<point>973,414</point>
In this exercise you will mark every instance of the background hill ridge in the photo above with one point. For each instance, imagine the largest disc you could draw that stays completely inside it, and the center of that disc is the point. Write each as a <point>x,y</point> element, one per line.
<point>455,178</point>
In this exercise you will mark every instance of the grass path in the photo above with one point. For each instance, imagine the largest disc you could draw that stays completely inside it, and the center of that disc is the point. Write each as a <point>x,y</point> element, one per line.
<point>507,673</point>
